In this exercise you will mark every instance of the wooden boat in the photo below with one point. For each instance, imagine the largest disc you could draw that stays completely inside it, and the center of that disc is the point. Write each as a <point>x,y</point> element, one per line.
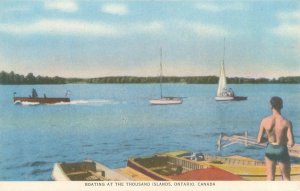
<point>245,167</point>
<point>224,94</point>
<point>134,174</point>
<point>164,167</point>
<point>87,170</point>
<point>163,100</point>
<point>34,99</point>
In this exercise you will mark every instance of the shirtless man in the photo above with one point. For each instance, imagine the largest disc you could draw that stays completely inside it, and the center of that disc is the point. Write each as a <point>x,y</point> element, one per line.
<point>279,132</point>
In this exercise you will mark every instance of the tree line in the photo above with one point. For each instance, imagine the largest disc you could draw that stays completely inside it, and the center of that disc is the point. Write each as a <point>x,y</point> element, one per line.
<point>30,78</point>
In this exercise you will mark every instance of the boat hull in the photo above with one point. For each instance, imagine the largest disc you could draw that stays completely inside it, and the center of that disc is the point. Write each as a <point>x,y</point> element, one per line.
<point>40,100</point>
<point>254,172</point>
<point>166,101</point>
<point>84,171</point>
<point>224,98</point>
<point>230,98</point>
<point>240,98</point>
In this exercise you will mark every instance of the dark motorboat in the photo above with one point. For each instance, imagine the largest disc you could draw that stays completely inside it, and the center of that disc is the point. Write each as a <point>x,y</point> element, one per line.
<point>35,99</point>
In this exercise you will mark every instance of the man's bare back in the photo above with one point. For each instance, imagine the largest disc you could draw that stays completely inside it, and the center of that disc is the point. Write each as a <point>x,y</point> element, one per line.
<point>277,129</point>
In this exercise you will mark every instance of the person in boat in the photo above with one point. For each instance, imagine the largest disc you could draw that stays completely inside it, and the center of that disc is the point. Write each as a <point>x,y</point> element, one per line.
<point>225,92</point>
<point>279,131</point>
<point>231,93</point>
<point>34,93</point>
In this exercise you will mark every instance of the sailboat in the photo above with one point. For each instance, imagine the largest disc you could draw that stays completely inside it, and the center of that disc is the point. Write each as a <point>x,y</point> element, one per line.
<point>224,94</point>
<point>163,100</point>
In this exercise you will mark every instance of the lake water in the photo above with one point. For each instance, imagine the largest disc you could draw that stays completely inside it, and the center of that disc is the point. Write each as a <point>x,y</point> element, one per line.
<point>111,122</point>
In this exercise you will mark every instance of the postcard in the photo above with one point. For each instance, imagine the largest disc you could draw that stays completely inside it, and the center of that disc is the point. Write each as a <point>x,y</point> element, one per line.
<point>149,95</point>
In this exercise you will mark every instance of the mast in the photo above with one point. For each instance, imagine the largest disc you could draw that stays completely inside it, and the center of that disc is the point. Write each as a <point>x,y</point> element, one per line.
<point>223,67</point>
<point>160,79</point>
<point>224,51</point>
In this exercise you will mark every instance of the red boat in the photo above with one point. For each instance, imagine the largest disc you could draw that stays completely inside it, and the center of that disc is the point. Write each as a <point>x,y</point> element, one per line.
<point>40,100</point>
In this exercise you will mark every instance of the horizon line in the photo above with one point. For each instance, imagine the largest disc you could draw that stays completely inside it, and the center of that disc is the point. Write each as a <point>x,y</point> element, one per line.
<point>137,76</point>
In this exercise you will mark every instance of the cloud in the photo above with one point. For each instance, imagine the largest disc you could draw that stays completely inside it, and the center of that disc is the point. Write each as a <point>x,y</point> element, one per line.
<point>290,16</point>
<point>57,26</point>
<point>80,27</point>
<point>18,9</point>
<point>219,7</point>
<point>289,24</point>
<point>115,9</point>
<point>289,29</point>
<point>103,29</point>
<point>202,29</point>
<point>151,27</point>
<point>61,5</point>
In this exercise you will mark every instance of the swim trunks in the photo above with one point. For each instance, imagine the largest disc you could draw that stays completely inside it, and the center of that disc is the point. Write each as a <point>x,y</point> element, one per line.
<point>277,153</point>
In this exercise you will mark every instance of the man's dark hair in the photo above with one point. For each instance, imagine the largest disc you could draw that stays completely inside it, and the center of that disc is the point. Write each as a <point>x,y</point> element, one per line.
<point>276,103</point>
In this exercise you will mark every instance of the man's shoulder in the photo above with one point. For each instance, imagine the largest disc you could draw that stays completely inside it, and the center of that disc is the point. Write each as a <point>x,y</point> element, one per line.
<point>287,121</point>
<point>267,118</point>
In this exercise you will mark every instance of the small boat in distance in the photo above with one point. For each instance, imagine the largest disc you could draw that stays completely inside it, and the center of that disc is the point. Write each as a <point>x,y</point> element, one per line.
<point>224,94</point>
<point>163,100</point>
<point>166,101</point>
<point>86,170</point>
<point>35,99</point>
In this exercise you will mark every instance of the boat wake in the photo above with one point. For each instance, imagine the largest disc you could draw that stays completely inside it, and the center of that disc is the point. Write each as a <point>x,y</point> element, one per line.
<point>27,103</point>
<point>89,102</point>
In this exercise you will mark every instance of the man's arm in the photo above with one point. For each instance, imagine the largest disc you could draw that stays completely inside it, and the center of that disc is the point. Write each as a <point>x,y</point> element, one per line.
<point>290,134</point>
<point>261,133</point>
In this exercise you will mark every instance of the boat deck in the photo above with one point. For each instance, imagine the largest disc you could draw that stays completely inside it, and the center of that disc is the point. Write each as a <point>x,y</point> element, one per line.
<point>134,174</point>
<point>206,174</point>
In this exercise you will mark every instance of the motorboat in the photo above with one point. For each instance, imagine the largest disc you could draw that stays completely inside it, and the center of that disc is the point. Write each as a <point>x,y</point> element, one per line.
<point>35,99</point>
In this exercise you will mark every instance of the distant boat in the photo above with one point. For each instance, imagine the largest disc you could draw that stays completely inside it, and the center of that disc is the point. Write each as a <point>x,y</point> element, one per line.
<point>86,170</point>
<point>224,94</point>
<point>40,100</point>
<point>169,167</point>
<point>163,100</point>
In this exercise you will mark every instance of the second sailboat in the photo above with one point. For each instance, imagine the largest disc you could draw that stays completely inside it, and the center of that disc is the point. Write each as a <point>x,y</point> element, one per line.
<point>163,100</point>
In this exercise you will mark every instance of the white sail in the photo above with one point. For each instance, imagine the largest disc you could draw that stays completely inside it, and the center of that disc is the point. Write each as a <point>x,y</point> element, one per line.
<point>222,80</point>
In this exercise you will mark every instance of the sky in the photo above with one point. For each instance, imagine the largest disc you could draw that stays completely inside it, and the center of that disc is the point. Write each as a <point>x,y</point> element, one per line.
<point>90,38</point>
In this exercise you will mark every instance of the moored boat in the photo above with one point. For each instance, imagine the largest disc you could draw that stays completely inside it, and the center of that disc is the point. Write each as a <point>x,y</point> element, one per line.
<point>34,99</point>
<point>86,170</point>
<point>170,168</point>
<point>245,167</point>
<point>164,100</point>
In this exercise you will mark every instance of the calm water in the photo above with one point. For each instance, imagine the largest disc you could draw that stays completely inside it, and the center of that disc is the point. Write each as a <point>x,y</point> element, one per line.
<point>109,123</point>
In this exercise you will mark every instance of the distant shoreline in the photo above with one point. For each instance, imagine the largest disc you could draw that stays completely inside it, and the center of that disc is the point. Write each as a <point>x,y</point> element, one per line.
<point>16,79</point>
